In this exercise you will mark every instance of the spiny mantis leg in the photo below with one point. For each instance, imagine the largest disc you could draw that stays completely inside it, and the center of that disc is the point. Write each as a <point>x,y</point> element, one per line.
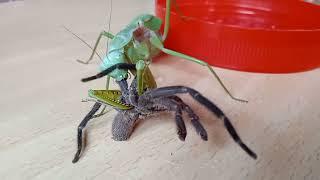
<point>103,33</point>
<point>172,90</point>
<point>104,111</point>
<point>109,70</point>
<point>81,126</point>
<point>106,72</point>
<point>140,66</point>
<point>194,118</point>
<point>156,42</point>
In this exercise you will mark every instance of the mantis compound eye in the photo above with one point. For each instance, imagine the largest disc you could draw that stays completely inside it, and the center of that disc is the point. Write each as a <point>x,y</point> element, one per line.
<point>147,62</point>
<point>140,23</point>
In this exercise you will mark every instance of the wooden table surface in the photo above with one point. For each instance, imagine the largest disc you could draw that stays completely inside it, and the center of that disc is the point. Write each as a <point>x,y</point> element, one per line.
<point>41,107</point>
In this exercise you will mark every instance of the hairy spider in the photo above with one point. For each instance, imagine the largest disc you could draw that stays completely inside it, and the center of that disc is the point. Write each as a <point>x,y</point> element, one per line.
<point>151,101</point>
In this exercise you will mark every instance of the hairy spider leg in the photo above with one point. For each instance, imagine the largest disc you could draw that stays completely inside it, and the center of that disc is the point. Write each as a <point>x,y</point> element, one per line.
<point>181,127</point>
<point>81,126</point>
<point>177,108</point>
<point>176,104</point>
<point>194,118</point>
<point>172,90</point>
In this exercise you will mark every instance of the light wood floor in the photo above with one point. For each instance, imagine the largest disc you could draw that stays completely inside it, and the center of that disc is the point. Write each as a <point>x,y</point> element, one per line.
<point>40,108</point>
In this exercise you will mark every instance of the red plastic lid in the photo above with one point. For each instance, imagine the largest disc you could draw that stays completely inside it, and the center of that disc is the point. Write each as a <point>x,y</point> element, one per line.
<point>269,36</point>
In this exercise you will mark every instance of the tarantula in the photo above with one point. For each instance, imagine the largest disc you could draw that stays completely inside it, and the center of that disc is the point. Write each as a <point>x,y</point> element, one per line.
<point>131,107</point>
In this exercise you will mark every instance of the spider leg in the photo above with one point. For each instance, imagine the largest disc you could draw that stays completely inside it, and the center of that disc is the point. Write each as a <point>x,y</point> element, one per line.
<point>172,90</point>
<point>181,127</point>
<point>129,95</point>
<point>170,105</point>
<point>194,118</point>
<point>81,126</point>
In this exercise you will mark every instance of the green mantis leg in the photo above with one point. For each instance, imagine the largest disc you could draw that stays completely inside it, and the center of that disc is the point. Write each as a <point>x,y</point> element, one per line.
<point>157,42</point>
<point>140,66</point>
<point>104,110</point>
<point>167,20</point>
<point>167,17</point>
<point>103,33</point>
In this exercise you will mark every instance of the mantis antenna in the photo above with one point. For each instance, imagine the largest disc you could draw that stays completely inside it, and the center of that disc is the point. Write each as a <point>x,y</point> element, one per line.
<point>82,40</point>
<point>110,16</point>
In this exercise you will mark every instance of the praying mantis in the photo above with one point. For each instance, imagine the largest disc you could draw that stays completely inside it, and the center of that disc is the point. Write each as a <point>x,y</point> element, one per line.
<point>138,43</point>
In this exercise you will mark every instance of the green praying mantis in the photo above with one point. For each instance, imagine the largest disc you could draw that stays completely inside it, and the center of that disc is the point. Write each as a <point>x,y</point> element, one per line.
<point>138,43</point>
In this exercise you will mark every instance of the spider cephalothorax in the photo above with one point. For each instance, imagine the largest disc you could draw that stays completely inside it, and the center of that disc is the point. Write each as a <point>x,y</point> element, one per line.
<point>151,101</point>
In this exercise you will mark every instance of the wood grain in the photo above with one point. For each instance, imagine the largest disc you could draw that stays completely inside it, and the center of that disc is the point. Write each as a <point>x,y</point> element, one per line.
<point>40,108</point>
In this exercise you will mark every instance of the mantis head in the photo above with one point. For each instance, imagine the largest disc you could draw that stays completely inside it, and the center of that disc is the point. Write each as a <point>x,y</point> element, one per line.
<point>147,20</point>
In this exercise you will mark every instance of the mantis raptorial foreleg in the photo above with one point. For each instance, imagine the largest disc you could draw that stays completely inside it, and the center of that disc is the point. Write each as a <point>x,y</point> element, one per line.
<point>103,33</point>
<point>140,66</point>
<point>157,42</point>
<point>104,111</point>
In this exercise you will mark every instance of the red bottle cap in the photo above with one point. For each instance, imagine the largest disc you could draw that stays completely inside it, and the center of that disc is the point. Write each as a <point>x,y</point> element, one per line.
<point>269,36</point>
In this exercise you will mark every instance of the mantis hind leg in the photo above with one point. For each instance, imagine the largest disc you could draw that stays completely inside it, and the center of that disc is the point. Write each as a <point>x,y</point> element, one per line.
<point>103,33</point>
<point>173,53</point>
<point>158,43</point>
